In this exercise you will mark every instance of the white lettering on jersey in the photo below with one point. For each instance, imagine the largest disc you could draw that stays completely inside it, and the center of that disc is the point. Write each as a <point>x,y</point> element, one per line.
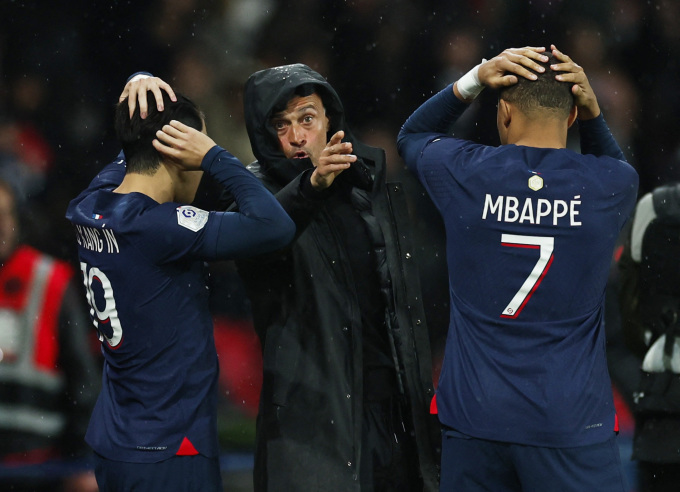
<point>532,211</point>
<point>192,218</point>
<point>91,238</point>
<point>111,242</point>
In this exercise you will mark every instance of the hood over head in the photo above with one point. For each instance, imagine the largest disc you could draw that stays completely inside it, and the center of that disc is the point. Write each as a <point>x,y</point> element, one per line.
<point>269,90</point>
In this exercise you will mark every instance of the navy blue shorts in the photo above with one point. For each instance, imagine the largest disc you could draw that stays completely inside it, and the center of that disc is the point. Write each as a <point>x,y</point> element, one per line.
<point>176,474</point>
<point>470,465</point>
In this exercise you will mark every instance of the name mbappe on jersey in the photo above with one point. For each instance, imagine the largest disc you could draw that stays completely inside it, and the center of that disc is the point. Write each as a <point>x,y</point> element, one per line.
<point>535,211</point>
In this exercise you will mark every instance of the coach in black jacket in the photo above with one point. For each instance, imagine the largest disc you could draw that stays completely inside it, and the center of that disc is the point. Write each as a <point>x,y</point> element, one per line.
<point>347,366</point>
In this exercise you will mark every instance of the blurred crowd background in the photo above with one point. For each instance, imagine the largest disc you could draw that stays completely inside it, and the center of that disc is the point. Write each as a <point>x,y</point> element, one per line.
<point>64,63</point>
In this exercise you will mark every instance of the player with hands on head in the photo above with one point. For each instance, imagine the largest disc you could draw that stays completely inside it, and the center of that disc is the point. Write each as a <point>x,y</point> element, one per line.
<point>524,397</point>
<point>142,250</point>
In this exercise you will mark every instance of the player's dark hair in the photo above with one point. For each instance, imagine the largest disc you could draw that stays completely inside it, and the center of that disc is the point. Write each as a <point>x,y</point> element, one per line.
<point>305,90</point>
<point>545,94</point>
<point>136,134</point>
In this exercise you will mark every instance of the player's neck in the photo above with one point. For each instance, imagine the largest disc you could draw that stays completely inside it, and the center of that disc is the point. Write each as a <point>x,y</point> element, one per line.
<point>158,186</point>
<point>544,134</point>
<point>541,142</point>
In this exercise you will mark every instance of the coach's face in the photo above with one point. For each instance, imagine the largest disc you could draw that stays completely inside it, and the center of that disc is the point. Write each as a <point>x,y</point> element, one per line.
<point>302,128</point>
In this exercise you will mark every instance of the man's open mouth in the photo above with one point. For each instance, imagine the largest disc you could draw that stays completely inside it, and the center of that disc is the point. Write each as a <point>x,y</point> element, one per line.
<point>300,155</point>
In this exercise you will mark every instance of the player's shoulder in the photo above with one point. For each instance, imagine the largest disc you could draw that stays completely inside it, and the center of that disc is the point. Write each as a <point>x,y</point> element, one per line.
<point>135,214</point>
<point>125,213</point>
<point>166,217</point>
<point>167,226</point>
<point>624,171</point>
<point>451,151</point>
<point>162,231</point>
<point>607,168</point>
<point>607,161</point>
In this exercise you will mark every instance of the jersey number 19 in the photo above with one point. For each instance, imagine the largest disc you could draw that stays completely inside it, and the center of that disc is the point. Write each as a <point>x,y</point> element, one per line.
<point>102,305</point>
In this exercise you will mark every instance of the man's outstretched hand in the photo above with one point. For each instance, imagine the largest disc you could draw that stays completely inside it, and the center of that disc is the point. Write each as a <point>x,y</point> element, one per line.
<point>335,158</point>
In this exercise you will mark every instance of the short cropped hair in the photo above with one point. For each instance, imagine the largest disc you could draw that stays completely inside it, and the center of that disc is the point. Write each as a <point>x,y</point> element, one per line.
<point>136,134</point>
<point>544,96</point>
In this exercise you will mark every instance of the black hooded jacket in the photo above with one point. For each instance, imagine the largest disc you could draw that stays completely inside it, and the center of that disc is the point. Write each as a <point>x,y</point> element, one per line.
<point>309,309</point>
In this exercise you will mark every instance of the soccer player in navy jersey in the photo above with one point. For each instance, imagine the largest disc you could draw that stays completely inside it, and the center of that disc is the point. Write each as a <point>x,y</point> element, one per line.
<point>524,396</point>
<point>142,249</point>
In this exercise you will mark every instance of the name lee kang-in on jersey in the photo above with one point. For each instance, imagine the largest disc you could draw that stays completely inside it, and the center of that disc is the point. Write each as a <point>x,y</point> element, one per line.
<point>95,239</point>
<point>532,211</point>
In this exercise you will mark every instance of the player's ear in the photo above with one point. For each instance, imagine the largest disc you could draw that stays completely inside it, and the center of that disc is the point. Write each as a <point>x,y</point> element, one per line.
<point>572,116</point>
<point>504,113</point>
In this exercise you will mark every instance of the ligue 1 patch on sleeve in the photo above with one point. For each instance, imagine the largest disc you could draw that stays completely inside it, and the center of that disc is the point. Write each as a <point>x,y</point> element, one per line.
<point>191,217</point>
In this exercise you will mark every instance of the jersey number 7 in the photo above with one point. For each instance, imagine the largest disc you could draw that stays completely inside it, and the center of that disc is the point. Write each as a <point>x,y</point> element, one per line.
<point>545,245</point>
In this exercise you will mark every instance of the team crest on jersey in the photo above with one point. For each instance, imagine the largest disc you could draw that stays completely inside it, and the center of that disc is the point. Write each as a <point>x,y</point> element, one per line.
<point>191,217</point>
<point>535,182</point>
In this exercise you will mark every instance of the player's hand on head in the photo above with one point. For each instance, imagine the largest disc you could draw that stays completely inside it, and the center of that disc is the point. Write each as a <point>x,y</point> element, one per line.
<point>183,144</point>
<point>335,158</point>
<point>503,70</point>
<point>584,96</point>
<point>136,92</point>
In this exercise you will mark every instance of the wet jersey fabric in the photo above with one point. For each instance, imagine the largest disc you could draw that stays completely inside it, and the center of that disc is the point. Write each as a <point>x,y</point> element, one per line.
<point>142,264</point>
<point>530,233</point>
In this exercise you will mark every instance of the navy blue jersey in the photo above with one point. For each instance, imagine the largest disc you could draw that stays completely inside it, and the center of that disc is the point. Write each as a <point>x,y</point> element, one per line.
<point>142,264</point>
<point>530,234</point>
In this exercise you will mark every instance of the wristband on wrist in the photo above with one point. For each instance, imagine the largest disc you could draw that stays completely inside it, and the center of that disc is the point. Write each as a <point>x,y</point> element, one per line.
<point>469,85</point>
<point>139,76</point>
